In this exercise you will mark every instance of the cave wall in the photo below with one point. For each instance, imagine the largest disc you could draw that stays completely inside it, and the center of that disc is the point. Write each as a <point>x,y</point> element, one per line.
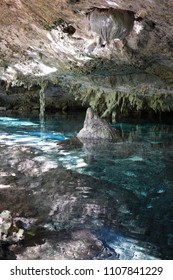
<point>51,43</point>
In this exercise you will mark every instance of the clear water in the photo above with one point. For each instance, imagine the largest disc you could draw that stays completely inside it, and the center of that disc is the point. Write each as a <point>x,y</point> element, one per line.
<point>135,175</point>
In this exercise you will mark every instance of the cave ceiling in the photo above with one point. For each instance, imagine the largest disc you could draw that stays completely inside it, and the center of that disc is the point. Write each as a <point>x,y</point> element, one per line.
<point>51,40</point>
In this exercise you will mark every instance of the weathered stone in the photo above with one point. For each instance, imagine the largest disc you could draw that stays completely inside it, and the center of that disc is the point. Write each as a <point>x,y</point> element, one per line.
<point>54,45</point>
<point>97,128</point>
<point>72,143</point>
<point>110,23</point>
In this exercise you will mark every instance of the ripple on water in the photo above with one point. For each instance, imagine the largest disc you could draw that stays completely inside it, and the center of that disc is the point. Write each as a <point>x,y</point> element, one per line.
<point>125,248</point>
<point>139,172</point>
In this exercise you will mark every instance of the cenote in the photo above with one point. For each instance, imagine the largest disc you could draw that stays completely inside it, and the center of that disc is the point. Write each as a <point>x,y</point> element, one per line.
<point>121,193</point>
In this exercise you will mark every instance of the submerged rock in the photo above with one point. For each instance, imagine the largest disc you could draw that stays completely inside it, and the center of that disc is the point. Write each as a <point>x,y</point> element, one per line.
<point>97,128</point>
<point>72,143</point>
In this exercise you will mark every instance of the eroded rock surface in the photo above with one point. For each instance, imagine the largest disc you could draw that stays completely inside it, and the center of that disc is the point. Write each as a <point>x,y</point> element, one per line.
<point>96,128</point>
<point>49,41</point>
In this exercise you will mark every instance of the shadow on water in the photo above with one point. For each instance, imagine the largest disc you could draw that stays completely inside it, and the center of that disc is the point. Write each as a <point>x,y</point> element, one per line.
<point>118,194</point>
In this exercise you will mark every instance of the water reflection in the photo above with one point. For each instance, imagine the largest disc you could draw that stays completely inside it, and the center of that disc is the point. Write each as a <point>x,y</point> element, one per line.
<point>124,195</point>
<point>125,248</point>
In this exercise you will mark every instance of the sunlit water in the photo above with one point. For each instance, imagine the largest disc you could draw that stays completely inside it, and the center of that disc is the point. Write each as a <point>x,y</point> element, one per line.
<point>139,168</point>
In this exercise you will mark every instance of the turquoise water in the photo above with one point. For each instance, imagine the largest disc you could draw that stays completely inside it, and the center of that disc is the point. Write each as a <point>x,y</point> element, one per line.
<point>137,170</point>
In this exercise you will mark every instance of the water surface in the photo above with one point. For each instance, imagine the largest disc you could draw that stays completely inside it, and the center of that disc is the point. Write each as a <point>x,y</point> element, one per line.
<point>127,198</point>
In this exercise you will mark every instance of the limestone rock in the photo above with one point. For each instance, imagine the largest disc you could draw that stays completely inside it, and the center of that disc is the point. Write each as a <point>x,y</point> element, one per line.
<point>97,128</point>
<point>77,50</point>
<point>72,143</point>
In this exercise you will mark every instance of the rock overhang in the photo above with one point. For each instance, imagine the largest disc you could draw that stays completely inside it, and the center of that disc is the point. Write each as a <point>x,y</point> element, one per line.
<point>36,46</point>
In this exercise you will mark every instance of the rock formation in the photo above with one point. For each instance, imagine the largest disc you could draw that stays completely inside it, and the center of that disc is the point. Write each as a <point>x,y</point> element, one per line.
<point>96,128</point>
<point>110,24</point>
<point>48,43</point>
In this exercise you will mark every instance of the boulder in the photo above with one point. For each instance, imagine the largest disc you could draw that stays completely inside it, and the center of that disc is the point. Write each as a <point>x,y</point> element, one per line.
<point>96,128</point>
